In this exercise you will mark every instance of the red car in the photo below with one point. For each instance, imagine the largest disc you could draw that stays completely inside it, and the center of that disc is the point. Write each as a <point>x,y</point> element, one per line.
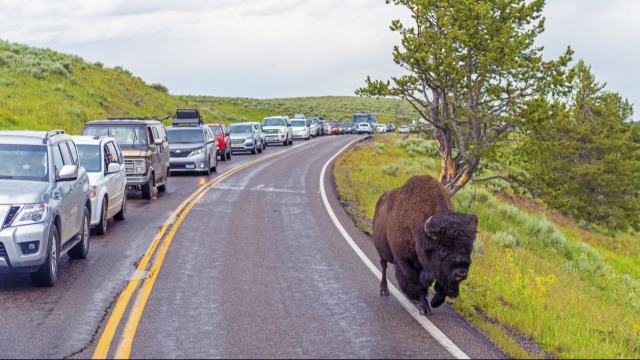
<point>224,141</point>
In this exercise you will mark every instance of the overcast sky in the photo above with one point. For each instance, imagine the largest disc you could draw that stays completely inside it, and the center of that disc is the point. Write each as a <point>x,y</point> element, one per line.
<point>283,48</point>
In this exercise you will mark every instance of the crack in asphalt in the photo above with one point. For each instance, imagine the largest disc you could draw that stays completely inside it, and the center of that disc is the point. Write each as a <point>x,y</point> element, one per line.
<point>105,317</point>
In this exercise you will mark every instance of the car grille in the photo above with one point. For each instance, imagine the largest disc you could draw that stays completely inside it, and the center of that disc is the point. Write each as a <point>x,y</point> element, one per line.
<point>128,165</point>
<point>3,251</point>
<point>182,166</point>
<point>11,214</point>
<point>237,141</point>
<point>181,154</point>
<point>271,131</point>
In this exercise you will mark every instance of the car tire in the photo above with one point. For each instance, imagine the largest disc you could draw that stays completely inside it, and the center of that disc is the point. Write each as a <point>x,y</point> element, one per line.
<point>81,250</point>
<point>163,188</point>
<point>260,149</point>
<point>290,141</point>
<point>147,189</point>
<point>254,150</point>
<point>101,229</point>
<point>122,214</point>
<point>47,274</point>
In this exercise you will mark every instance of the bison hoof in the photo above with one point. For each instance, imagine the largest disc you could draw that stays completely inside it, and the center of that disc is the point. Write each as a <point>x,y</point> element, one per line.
<point>425,309</point>
<point>384,291</point>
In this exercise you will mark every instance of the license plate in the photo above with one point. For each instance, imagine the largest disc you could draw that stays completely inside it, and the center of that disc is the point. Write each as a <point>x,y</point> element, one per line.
<point>190,166</point>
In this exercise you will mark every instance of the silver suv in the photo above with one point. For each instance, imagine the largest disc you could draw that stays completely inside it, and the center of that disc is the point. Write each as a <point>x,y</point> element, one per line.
<point>44,203</point>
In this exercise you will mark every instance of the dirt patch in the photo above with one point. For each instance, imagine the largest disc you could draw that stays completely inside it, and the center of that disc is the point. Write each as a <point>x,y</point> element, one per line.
<point>526,343</point>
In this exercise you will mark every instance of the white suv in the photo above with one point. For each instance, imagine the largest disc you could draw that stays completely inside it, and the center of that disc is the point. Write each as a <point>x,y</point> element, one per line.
<point>102,159</point>
<point>364,127</point>
<point>277,129</point>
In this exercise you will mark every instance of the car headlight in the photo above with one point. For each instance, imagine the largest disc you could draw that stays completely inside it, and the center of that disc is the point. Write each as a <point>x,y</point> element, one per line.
<point>196,152</point>
<point>31,214</point>
<point>139,166</point>
<point>281,131</point>
<point>249,140</point>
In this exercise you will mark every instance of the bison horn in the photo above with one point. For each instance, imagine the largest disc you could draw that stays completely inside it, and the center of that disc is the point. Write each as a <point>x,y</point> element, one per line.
<point>426,225</point>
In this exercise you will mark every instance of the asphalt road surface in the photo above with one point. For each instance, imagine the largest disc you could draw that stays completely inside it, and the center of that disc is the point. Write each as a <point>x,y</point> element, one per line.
<point>256,269</point>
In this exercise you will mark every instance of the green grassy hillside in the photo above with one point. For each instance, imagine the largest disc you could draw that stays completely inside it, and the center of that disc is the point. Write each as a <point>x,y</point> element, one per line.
<point>42,89</point>
<point>540,285</point>
<point>331,107</point>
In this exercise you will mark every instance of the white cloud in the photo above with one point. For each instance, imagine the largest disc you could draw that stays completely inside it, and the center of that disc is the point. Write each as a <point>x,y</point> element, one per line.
<point>269,48</point>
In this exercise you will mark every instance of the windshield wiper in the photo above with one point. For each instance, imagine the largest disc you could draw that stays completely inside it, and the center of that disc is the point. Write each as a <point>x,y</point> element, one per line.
<point>6,177</point>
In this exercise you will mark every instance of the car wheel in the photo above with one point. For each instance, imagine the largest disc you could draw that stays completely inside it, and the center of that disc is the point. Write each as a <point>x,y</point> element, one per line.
<point>101,229</point>
<point>260,148</point>
<point>122,214</point>
<point>163,188</point>
<point>47,274</point>
<point>81,250</point>
<point>147,189</point>
<point>253,151</point>
<point>208,172</point>
<point>291,141</point>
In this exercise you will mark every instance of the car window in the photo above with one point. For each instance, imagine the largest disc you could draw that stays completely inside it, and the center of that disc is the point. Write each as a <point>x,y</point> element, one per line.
<point>154,131</point>
<point>111,154</point>
<point>24,162</point>
<point>216,131</point>
<point>119,152</point>
<point>66,154</point>
<point>58,163</point>
<point>74,152</point>
<point>90,157</point>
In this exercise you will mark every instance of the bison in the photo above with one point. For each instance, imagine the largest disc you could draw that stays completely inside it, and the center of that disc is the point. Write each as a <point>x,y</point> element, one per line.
<point>415,228</point>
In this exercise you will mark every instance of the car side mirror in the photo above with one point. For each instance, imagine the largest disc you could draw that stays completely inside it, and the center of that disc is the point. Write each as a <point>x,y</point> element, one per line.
<point>68,173</point>
<point>114,168</point>
<point>158,142</point>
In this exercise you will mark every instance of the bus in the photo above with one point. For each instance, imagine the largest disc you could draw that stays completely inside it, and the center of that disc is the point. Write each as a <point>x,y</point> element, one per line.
<point>365,117</point>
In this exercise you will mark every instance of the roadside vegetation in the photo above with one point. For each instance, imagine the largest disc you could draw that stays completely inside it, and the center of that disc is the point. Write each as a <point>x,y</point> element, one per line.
<point>540,284</point>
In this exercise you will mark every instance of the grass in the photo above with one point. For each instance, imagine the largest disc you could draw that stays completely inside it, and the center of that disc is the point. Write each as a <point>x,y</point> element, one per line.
<point>536,276</point>
<point>41,89</point>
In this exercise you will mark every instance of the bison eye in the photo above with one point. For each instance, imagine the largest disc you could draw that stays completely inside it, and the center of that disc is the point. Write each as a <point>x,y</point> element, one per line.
<point>443,253</point>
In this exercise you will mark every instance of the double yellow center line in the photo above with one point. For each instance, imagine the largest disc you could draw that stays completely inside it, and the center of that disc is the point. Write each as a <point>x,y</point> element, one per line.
<point>146,273</point>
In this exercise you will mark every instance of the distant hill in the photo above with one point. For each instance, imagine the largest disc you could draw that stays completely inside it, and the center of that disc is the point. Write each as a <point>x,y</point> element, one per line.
<point>331,107</point>
<point>43,89</point>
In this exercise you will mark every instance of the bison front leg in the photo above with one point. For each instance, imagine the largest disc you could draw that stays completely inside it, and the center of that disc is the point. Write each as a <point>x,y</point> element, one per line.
<point>384,287</point>
<point>409,281</point>
<point>439,297</point>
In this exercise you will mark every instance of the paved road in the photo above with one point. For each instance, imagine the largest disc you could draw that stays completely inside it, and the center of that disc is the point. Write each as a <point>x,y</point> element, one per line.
<point>61,321</point>
<point>257,269</point>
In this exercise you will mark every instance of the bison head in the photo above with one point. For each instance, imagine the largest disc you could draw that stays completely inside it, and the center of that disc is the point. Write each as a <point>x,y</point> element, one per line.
<point>446,240</point>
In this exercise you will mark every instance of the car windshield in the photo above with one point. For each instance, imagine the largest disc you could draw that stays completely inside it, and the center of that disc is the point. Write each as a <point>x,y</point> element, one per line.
<point>185,136</point>
<point>126,135</point>
<point>90,157</point>
<point>217,131</point>
<point>24,162</point>
<point>299,123</point>
<point>240,129</point>
<point>274,122</point>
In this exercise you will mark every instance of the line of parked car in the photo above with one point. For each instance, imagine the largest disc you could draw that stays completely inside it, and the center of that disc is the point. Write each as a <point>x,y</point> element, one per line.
<point>56,189</point>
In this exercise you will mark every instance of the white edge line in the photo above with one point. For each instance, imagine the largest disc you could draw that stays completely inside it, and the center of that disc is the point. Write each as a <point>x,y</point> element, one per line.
<point>433,330</point>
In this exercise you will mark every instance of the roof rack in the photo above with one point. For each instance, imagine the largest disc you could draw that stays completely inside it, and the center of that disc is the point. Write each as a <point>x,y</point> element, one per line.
<point>51,133</point>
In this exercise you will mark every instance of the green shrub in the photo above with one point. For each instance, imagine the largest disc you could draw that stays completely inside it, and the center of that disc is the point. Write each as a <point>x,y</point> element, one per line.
<point>507,239</point>
<point>391,169</point>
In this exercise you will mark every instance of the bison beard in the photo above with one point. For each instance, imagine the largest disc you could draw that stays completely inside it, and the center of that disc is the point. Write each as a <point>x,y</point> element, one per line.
<point>416,229</point>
